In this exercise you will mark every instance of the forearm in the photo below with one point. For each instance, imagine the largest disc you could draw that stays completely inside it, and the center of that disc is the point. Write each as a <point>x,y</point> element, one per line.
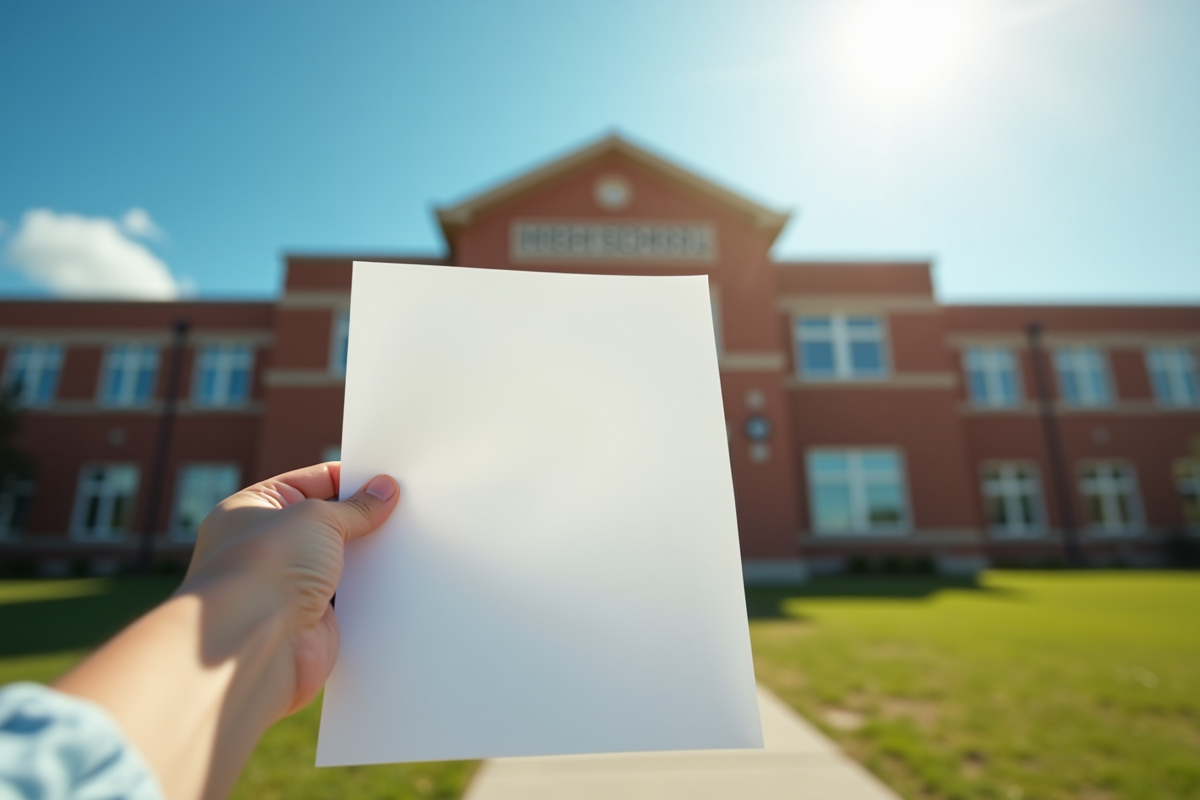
<point>194,683</point>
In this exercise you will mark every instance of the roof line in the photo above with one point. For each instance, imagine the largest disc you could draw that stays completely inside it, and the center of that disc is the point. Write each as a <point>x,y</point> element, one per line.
<point>461,213</point>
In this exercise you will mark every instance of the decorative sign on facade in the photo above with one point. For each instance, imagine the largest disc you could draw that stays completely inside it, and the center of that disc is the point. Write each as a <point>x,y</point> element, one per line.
<point>609,241</point>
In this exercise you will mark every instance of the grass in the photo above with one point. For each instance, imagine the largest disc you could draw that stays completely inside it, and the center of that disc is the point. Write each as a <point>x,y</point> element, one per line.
<point>1025,686</point>
<point>46,626</point>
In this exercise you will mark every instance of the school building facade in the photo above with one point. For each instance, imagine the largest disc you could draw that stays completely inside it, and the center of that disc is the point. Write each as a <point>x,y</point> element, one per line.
<point>869,423</point>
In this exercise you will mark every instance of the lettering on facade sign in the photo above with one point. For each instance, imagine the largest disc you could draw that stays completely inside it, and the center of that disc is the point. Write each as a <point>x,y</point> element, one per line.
<point>605,241</point>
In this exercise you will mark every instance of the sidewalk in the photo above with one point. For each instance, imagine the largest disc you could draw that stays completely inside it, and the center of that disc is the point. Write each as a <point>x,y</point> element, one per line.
<point>798,763</point>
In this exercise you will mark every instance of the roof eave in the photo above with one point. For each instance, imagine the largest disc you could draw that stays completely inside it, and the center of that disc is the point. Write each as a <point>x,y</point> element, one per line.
<point>454,217</point>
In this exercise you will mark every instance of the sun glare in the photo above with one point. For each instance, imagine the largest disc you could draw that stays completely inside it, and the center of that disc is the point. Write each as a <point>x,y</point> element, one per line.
<point>904,53</point>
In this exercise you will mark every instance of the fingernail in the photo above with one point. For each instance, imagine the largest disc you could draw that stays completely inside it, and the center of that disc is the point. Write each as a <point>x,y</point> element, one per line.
<point>381,487</point>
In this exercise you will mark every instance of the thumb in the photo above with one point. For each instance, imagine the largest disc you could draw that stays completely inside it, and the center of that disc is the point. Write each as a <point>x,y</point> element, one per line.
<point>366,510</point>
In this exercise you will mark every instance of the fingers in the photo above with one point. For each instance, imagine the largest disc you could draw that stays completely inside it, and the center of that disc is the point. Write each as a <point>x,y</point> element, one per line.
<point>318,482</point>
<point>366,509</point>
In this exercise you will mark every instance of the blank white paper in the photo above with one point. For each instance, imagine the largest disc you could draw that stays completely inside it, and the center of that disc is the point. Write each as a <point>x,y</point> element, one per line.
<point>562,574</point>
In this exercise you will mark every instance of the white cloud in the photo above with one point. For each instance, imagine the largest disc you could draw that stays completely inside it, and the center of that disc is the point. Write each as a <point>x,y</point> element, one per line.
<point>137,222</point>
<point>79,256</point>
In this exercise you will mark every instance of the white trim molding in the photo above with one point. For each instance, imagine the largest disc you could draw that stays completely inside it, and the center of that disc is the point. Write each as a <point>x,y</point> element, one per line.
<point>897,380</point>
<point>89,407</point>
<point>306,298</point>
<point>292,378</point>
<point>1062,338</point>
<point>100,337</point>
<point>1125,408</point>
<point>857,304</point>
<point>751,361</point>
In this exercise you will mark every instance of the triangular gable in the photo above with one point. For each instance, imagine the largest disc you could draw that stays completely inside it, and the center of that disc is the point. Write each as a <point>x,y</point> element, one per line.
<point>456,217</point>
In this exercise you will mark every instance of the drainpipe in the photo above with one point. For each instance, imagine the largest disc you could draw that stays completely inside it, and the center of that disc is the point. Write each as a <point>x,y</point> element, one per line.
<point>1059,474</point>
<point>162,447</point>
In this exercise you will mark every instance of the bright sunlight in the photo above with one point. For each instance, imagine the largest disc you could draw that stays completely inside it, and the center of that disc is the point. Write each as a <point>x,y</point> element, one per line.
<point>898,54</point>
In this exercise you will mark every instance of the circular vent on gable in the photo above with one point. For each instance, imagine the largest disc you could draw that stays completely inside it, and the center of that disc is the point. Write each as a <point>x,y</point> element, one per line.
<point>612,192</point>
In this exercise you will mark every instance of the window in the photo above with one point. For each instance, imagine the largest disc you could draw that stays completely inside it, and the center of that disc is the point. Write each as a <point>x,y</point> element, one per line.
<point>15,495</point>
<point>33,371</point>
<point>840,347</point>
<point>1012,495</point>
<point>1082,376</point>
<point>992,376</point>
<point>340,344</point>
<point>223,375</point>
<point>104,505</point>
<point>1187,481</point>
<point>1173,374</point>
<point>857,491</point>
<point>201,487</point>
<point>1110,494</point>
<point>129,374</point>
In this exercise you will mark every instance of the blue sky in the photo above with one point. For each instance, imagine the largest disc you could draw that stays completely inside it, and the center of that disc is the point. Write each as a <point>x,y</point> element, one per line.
<point>1040,150</point>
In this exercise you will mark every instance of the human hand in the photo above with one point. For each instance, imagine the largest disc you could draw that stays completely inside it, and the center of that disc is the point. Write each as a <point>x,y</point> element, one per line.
<point>269,559</point>
<point>248,637</point>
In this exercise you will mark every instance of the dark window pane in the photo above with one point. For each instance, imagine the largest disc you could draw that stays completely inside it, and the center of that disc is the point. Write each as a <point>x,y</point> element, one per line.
<point>1124,509</point>
<point>91,513</point>
<point>997,511</point>
<point>884,505</point>
<point>828,463</point>
<point>238,386</point>
<point>121,509</point>
<point>1028,512</point>
<point>866,358</point>
<point>819,325</point>
<point>818,358</point>
<point>978,386</point>
<point>831,506</point>
<point>145,379</point>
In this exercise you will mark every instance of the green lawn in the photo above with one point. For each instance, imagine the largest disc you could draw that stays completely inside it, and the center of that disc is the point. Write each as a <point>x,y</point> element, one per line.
<point>1026,685</point>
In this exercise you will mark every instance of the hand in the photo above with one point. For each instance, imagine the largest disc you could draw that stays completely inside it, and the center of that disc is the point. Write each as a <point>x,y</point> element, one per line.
<point>249,636</point>
<point>287,540</point>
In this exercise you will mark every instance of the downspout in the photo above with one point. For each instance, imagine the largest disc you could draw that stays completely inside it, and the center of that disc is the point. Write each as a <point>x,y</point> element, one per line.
<point>162,447</point>
<point>1059,475</point>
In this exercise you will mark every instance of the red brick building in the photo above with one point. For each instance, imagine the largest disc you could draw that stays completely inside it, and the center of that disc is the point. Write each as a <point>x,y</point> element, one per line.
<point>868,422</point>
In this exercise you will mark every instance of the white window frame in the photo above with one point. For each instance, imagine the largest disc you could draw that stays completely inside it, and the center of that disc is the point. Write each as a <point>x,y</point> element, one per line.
<point>35,360</point>
<point>992,362</point>
<point>858,478</point>
<point>1177,367</point>
<point>339,342</point>
<point>128,358</point>
<point>178,531</point>
<point>1009,487</point>
<point>107,497</point>
<point>841,336</point>
<point>1078,360</point>
<point>1116,475</point>
<point>223,359</point>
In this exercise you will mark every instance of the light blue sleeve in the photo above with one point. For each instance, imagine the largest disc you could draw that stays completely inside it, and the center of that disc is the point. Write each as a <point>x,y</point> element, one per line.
<point>57,747</point>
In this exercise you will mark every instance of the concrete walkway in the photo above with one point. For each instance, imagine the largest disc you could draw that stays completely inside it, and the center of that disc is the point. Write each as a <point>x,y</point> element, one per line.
<point>798,763</point>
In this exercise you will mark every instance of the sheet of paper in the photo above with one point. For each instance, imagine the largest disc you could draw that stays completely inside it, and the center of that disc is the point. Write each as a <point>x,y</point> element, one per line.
<point>562,574</point>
